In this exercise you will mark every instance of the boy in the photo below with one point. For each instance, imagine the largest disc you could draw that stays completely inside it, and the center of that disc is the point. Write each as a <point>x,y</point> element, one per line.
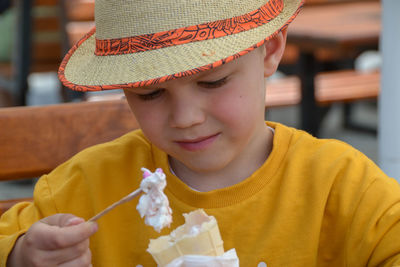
<point>194,75</point>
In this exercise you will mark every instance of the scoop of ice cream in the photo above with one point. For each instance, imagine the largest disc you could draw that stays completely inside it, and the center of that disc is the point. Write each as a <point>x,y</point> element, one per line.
<point>154,204</point>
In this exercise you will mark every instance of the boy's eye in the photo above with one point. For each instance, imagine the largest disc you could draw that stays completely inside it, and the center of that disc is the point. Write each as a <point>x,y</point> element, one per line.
<point>214,84</point>
<point>152,95</point>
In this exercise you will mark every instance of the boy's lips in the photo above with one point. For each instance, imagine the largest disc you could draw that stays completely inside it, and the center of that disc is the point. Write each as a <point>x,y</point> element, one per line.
<point>197,143</point>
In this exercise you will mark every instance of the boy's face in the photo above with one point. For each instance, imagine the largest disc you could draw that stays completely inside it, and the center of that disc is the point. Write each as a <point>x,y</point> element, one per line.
<point>208,121</point>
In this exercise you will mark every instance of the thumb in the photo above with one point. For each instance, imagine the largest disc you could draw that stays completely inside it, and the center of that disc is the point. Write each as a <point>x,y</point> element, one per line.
<point>67,230</point>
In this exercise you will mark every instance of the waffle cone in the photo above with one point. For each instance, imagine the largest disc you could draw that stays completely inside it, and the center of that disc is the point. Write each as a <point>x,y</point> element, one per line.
<point>205,240</point>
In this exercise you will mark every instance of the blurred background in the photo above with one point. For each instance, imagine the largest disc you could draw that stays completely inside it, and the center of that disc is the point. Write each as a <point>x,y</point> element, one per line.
<point>328,83</point>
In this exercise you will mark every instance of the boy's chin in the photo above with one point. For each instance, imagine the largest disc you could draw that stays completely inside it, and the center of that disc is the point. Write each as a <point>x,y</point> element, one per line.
<point>204,164</point>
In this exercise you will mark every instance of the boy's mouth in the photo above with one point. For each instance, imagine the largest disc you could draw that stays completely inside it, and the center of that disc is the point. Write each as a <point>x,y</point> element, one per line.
<point>196,144</point>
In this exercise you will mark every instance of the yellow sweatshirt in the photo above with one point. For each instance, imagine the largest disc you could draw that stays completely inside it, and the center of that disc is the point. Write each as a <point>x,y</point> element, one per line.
<point>313,203</point>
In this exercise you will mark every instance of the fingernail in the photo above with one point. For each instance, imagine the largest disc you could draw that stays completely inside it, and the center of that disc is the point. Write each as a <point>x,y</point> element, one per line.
<point>73,221</point>
<point>94,226</point>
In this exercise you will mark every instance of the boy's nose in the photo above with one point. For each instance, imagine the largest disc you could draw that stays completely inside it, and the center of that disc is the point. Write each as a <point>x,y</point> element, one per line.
<point>186,113</point>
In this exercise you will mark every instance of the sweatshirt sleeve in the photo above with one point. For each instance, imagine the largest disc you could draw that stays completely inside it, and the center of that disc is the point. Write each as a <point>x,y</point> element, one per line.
<point>17,220</point>
<point>375,226</point>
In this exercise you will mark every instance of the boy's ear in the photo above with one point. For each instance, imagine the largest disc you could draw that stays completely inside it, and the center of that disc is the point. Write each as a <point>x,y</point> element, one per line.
<point>274,49</point>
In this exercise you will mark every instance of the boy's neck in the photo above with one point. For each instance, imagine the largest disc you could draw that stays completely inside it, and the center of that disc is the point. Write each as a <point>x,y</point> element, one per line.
<point>237,171</point>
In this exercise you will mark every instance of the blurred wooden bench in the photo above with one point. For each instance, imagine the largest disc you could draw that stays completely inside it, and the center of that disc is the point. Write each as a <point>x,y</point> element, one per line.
<point>346,87</point>
<point>323,55</point>
<point>330,87</point>
<point>46,29</point>
<point>36,139</point>
<point>37,44</point>
<point>80,18</point>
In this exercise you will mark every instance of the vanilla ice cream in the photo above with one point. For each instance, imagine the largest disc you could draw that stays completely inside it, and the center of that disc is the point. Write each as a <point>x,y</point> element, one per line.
<point>153,204</point>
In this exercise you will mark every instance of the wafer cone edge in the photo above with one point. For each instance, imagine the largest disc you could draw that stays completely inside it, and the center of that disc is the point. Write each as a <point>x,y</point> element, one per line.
<point>198,236</point>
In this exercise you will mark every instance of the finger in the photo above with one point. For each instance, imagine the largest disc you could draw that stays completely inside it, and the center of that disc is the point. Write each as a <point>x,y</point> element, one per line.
<point>50,237</point>
<point>69,253</point>
<point>74,234</point>
<point>85,260</point>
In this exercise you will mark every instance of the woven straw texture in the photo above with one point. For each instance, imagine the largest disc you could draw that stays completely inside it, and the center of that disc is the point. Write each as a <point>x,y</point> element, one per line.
<point>84,70</point>
<point>157,16</point>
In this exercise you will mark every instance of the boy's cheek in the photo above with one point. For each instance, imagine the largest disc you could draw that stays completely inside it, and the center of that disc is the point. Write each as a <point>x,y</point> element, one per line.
<point>142,111</point>
<point>238,106</point>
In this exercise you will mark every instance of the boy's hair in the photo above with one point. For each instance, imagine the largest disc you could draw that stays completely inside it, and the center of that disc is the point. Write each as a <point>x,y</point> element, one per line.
<point>139,43</point>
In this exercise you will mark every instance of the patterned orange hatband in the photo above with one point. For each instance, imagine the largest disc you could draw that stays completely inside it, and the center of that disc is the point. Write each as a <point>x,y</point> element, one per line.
<point>201,32</point>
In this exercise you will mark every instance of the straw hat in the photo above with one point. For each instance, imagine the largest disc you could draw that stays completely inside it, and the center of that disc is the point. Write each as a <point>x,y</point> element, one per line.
<point>143,42</point>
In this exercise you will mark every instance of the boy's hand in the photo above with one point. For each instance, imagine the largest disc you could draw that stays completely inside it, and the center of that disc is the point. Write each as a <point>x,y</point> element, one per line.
<point>58,240</point>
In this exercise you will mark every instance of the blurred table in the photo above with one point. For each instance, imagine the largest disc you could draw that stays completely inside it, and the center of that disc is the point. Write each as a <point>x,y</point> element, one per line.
<point>22,54</point>
<point>344,28</point>
<point>41,41</point>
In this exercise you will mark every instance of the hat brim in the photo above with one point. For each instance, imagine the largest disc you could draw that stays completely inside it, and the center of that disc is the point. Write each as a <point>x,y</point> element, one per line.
<point>82,70</point>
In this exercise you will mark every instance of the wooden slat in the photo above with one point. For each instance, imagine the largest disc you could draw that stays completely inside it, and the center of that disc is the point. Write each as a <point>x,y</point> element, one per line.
<point>45,67</point>
<point>46,46</point>
<point>346,86</point>
<point>330,87</point>
<point>46,24</point>
<point>34,140</point>
<point>46,53</point>
<point>76,30</point>
<point>80,10</point>
<point>46,2</point>
<point>290,55</point>
<point>6,70</point>
<point>347,26</point>
<point>283,92</point>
